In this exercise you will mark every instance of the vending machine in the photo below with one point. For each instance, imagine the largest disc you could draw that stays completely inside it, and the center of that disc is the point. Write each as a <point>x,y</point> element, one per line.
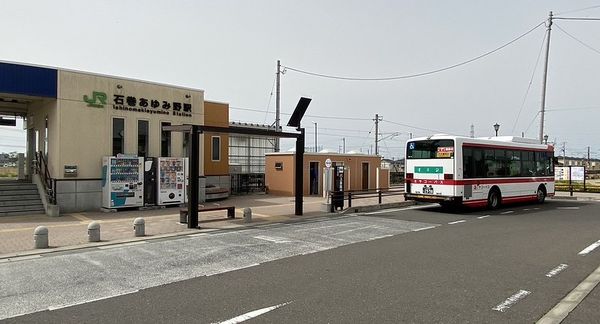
<point>171,181</point>
<point>122,181</point>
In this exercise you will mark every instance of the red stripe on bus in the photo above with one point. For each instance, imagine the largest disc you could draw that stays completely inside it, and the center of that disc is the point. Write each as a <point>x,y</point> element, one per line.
<point>478,181</point>
<point>504,147</point>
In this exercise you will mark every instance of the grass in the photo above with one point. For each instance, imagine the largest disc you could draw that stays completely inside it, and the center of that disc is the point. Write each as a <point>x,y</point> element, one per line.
<point>8,172</point>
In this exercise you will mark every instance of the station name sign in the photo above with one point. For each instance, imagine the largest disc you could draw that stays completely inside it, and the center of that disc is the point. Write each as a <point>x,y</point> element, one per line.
<point>144,105</point>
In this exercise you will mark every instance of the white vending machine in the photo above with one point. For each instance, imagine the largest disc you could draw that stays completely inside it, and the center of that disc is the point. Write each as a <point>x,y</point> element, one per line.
<point>122,181</point>
<point>171,181</point>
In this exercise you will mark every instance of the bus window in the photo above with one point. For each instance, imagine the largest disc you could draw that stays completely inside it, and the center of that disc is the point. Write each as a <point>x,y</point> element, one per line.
<point>430,149</point>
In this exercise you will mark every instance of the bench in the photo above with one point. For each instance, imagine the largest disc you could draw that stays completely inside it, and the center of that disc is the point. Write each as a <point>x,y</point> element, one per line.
<point>183,212</point>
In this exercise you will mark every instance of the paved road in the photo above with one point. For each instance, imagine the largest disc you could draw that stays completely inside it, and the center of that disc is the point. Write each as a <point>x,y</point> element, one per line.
<point>411,265</point>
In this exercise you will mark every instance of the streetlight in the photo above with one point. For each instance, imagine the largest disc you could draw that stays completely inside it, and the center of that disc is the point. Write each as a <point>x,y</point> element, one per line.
<point>496,128</point>
<point>315,136</point>
<point>546,139</point>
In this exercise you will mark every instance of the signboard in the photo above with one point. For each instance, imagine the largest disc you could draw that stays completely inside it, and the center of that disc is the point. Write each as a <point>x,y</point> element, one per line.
<point>577,173</point>
<point>445,152</point>
<point>561,173</point>
<point>328,163</point>
<point>427,169</point>
<point>99,99</point>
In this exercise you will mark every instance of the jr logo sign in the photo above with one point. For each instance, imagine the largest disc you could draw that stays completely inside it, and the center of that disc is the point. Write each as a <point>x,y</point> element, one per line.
<point>98,99</point>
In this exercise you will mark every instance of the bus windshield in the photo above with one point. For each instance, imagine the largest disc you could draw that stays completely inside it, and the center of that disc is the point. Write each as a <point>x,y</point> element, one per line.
<point>430,149</point>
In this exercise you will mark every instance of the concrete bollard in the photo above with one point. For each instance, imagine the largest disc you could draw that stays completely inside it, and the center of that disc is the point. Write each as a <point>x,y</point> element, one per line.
<point>94,232</point>
<point>139,226</point>
<point>40,237</point>
<point>247,215</point>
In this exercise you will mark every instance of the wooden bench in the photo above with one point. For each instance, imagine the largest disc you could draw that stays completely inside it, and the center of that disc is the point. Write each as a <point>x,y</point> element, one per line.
<point>183,212</point>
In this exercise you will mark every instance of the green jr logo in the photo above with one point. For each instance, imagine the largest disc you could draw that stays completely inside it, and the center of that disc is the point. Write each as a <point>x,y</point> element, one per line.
<point>98,99</point>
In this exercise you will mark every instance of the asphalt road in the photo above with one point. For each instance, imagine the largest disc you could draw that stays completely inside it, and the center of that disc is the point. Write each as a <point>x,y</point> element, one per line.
<point>413,265</point>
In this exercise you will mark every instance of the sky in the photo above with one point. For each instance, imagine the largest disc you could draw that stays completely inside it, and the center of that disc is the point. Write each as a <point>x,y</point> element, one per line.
<point>230,48</point>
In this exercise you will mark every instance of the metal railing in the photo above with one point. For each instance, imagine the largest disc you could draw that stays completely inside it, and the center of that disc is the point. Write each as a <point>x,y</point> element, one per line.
<point>379,193</point>
<point>40,166</point>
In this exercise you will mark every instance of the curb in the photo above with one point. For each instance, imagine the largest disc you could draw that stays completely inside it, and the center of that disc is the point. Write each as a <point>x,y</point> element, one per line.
<point>360,209</point>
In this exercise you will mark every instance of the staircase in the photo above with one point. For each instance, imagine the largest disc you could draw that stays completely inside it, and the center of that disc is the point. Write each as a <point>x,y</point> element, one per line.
<point>19,198</point>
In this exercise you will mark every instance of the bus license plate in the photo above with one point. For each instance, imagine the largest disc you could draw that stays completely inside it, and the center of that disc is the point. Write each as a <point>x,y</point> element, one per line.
<point>428,189</point>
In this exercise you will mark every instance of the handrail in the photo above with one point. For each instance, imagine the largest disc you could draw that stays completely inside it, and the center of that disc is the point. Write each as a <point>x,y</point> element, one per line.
<point>367,193</point>
<point>40,166</point>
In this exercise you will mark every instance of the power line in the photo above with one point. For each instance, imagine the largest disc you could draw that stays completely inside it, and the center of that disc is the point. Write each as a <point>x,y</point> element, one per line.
<point>578,10</point>
<point>313,116</point>
<point>577,40</point>
<point>417,74</point>
<point>416,127</point>
<point>537,61</point>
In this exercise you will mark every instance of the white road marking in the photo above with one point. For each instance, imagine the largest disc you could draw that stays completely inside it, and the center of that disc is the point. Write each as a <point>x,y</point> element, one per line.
<point>457,222</point>
<point>511,300</point>
<point>354,229</point>
<point>556,270</point>
<point>536,208</point>
<point>482,217</point>
<point>526,209</point>
<point>423,228</point>
<point>273,239</point>
<point>114,246</point>
<point>252,314</point>
<point>589,248</point>
<point>567,207</point>
<point>568,304</point>
<point>327,226</point>
<point>199,234</point>
<point>22,258</point>
<point>507,212</point>
<point>379,237</point>
<point>51,308</point>
<point>382,211</point>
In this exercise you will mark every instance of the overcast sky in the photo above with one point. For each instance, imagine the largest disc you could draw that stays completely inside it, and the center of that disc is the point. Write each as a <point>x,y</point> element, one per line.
<point>230,49</point>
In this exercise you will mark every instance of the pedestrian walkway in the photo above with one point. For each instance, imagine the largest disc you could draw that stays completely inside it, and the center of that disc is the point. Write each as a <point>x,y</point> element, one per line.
<point>70,230</point>
<point>577,195</point>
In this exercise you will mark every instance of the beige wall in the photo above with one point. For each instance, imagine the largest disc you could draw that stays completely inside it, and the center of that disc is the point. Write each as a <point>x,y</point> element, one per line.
<point>282,182</point>
<point>216,114</point>
<point>85,133</point>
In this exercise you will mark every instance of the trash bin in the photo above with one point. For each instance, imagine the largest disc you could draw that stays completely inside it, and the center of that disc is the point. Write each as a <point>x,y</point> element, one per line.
<point>337,200</point>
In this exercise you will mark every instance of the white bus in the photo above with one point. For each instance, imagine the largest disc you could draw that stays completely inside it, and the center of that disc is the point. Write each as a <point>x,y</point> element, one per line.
<point>478,172</point>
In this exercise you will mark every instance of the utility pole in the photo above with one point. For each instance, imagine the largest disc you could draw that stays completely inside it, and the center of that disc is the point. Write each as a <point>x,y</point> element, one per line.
<point>377,120</point>
<point>543,109</point>
<point>564,149</point>
<point>277,103</point>
<point>344,145</point>
<point>588,160</point>
<point>472,131</point>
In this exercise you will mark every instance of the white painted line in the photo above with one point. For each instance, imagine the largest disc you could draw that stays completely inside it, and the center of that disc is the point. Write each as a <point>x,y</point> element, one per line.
<point>382,211</point>
<point>252,314</point>
<point>574,298</point>
<point>273,239</point>
<point>457,222</point>
<point>511,300</point>
<point>507,212</point>
<point>354,229</point>
<point>567,208</point>
<point>556,270</point>
<point>327,226</point>
<point>482,217</point>
<point>114,246</point>
<point>199,234</point>
<point>27,257</point>
<point>589,248</point>
<point>423,228</point>
<point>379,237</point>
<point>52,308</point>
<point>526,209</point>
<point>536,208</point>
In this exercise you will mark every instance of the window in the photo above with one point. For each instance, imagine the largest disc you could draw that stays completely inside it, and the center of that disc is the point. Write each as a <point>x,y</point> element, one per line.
<point>216,148</point>
<point>430,149</point>
<point>165,140</point>
<point>491,163</point>
<point>118,136</point>
<point>143,138</point>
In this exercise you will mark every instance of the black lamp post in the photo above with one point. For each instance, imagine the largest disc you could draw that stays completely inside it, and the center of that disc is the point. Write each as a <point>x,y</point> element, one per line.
<point>546,139</point>
<point>496,128</point>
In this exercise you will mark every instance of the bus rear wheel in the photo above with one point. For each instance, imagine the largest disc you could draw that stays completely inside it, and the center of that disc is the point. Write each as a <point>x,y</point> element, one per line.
<point>541,194</point>
<point>494,199</point>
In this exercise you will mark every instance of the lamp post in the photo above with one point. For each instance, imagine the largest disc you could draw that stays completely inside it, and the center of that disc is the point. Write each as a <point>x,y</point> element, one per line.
<point>315,136</point>
<point>496,128</point>
<point>546,139</point>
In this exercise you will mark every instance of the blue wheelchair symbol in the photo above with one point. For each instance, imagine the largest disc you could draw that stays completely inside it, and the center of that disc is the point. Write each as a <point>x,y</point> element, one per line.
<point>411,146</point>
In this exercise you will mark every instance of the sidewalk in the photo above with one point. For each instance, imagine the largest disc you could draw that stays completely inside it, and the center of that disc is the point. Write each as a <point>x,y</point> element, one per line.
<point>589,196</point>
<point>69,231</point>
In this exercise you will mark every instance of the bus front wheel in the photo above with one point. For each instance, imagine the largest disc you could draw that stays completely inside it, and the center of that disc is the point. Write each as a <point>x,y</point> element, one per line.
<point>494,199</point>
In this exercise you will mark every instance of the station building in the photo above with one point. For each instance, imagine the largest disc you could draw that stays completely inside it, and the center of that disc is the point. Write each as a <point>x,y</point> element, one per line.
<point>75,118</point>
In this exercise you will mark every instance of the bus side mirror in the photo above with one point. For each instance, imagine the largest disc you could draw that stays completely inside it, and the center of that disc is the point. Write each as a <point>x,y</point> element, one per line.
<point>554,160</point>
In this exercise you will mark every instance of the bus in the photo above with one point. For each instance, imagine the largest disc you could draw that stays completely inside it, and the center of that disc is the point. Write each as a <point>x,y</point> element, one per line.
<point>478,172</point>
